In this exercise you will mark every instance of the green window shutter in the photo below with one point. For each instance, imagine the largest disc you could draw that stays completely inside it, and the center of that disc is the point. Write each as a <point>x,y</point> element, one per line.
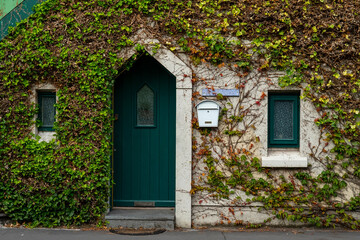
<point>283,120</point>
<point>47,111</point>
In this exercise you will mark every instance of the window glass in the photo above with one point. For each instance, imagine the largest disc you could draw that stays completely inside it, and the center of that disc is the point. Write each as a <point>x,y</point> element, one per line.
<point>283,120</point>
<point>47,111</point>
<point>145,106</point>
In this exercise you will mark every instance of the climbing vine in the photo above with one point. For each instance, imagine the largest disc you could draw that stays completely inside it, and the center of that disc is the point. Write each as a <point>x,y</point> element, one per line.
<point>78,46</point>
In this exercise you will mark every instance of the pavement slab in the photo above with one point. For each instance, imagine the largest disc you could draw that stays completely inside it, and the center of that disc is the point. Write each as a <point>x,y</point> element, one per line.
<point>293,235</point>
<point>45,234</point>
<point>61,234</point>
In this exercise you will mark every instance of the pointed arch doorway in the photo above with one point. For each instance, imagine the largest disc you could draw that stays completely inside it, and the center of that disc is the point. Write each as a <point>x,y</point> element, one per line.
<point>144,136</point>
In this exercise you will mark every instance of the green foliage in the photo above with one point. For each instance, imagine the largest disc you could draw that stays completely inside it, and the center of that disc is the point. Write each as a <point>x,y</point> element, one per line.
<point>317,52</point>
<point>75,46</point>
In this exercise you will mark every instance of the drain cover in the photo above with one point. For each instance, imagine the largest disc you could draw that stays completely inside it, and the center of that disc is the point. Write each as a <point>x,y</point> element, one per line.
<point>133,231</point>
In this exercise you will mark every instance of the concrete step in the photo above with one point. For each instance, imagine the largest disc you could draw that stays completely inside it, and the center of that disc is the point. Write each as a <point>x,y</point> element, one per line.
<point>142,218</point>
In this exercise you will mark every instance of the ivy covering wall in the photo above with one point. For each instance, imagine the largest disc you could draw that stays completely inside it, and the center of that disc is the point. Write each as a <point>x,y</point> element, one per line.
<point>77,46</point>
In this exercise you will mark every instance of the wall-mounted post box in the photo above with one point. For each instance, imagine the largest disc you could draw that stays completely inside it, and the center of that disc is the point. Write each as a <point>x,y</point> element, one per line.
<point>208,113</point>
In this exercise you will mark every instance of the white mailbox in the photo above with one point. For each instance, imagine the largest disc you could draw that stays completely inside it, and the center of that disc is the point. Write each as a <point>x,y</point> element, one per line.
<point>208,113</point>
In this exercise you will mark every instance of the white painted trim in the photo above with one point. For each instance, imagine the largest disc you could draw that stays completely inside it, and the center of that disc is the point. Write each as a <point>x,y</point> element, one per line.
<point>183,158</point>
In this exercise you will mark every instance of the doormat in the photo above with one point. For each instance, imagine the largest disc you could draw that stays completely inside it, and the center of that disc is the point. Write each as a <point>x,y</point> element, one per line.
<point>136,232</point>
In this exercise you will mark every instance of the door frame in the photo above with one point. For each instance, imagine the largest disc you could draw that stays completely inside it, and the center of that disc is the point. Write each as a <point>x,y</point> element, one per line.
<point>183,141</point>
<point>153,190</point>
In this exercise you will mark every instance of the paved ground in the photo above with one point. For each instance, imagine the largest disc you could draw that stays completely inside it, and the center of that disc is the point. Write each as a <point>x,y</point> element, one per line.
<point>42,234</point>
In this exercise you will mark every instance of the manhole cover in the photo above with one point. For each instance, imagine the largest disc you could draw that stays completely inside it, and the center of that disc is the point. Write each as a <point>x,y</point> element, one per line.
<point>133,231</point>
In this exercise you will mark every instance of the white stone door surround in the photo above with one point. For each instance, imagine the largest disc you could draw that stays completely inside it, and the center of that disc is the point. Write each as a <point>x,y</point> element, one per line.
<point>183,73</point>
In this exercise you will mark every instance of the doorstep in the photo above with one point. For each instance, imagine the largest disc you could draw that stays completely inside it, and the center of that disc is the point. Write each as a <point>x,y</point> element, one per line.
<point>147,218</point>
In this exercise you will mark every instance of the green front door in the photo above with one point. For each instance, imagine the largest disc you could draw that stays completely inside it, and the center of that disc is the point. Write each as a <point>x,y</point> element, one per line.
<point>144,136</point>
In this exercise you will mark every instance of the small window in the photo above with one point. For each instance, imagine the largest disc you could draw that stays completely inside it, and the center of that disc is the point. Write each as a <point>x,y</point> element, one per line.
<point>145,109</point>
<point>283,120</point>
<point>46,116</point>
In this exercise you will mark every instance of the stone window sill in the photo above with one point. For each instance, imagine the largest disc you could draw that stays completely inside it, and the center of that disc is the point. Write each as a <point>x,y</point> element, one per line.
<point>284,158</point>
<point>46,136</point>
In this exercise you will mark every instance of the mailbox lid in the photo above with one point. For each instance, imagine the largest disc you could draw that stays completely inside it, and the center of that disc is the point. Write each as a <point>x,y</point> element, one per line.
<point>208,104</point>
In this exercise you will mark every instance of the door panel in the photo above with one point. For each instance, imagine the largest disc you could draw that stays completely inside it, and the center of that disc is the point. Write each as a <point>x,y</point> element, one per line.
<point>144,160</point>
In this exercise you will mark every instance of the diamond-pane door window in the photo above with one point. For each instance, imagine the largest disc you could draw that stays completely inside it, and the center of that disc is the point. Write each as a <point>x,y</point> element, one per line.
<point>145,108</point>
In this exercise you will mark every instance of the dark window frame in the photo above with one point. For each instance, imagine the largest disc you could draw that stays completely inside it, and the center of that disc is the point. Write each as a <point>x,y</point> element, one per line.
<point>291,143</point>
<point>40,96</point>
